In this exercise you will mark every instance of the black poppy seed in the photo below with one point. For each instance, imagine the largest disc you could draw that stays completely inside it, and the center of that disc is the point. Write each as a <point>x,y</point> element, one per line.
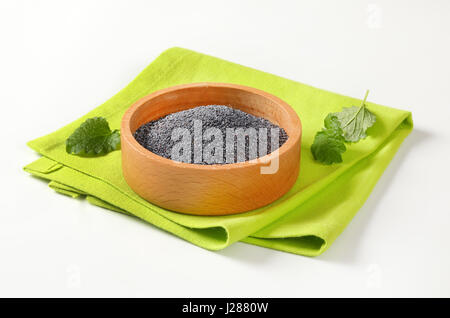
<point>156,136</point>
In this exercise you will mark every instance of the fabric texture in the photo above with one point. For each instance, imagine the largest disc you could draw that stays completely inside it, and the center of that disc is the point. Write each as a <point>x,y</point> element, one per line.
<point>304,221</point>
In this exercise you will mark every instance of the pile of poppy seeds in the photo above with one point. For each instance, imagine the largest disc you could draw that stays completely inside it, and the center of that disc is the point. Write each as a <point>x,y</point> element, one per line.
<point>157,136</point>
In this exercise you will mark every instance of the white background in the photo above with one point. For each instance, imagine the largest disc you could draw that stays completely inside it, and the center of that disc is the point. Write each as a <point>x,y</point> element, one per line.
<point>60,59</point>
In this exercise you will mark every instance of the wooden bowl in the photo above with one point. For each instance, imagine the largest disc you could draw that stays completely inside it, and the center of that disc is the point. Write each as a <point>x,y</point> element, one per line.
<point>217,189</point>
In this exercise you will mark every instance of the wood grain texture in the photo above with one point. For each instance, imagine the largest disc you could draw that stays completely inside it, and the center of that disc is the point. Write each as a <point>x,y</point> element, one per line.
<point>209,189</point>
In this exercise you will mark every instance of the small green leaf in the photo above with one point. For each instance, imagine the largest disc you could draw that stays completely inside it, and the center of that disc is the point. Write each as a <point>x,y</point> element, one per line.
<point>355,121</point>
<point>93,138</point>
<point>349,125</point>
<point>328,146</point>
<point>332,122</point>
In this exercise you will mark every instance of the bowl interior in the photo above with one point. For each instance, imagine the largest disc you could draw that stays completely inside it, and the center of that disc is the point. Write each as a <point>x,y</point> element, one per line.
<point>249,100</point>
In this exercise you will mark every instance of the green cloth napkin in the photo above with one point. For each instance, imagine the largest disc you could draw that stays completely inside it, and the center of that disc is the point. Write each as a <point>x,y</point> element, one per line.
<point>304,221</point>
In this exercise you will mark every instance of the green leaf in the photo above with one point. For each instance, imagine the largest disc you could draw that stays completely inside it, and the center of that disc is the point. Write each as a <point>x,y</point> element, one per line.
<point>332,122</point>
<point>93,138</point>
<point>355,121</point>
<point>349,125</point>
<point>328,145</point>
